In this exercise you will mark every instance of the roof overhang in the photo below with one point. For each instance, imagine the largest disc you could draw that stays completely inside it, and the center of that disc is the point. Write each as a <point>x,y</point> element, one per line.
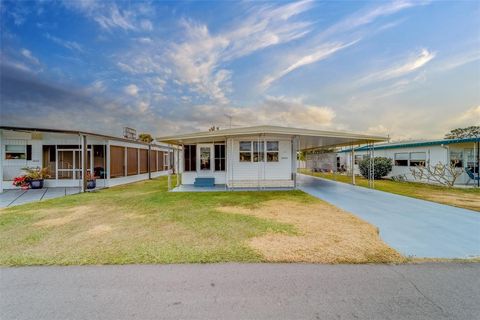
<point>307,138</point>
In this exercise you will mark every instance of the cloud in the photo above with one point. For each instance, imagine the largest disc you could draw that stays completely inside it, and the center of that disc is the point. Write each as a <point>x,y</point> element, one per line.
<point>321,53</point>
<point>413,63</point>
<point>365,17</point>
<point>272,111</point>
<point>327,43</point>
<point>199,58</point>
<point>98,86</point>
<point>116,18</point>
<point>458,60</point>
<point>31,101</point>
<point>470,117</point>
<point>72,45</point>
<point>146,25</point>
<point>29,57</point>
<point>131,90</point>
<point>110,15</point>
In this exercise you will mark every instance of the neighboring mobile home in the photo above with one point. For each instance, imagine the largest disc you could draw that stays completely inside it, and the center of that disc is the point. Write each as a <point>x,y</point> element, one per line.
<point>112,160</point>
<point>464,153</point>
<point>252,157</point>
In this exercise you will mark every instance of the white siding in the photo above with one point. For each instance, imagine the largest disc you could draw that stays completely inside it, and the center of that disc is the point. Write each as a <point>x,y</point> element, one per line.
<point>434,154</point>
<point>13,168</point>
<point>251,174</point>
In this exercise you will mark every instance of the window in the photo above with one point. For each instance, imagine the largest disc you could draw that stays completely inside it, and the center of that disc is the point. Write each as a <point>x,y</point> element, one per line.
<point>245,151</point>
<point>258,151</point>
<point>272,151</point>
<point>167,160</point>
<point>401,159</point>
<point>472,164</point>
<point>15,152</point>
<point>189,156</point>
<point>359,158</point>
<point>29,152</point>
<point>456,158</point>
<point>219,157</point>
<point>418,159</point>
<point>205,158</point>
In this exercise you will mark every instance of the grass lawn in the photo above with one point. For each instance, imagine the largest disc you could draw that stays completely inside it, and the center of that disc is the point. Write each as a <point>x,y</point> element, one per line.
<point>458,197</point>
<point>143,223</point>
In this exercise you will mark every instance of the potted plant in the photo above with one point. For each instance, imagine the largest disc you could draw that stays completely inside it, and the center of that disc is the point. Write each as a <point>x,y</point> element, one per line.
<point>35,176</point>
<point>91,184</point>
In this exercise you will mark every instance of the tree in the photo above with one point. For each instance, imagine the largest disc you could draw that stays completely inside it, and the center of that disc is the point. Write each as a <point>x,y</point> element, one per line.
<point>145,137</point>
<point>468,132</point>
<point>440,173</point>
<point>382,167</point>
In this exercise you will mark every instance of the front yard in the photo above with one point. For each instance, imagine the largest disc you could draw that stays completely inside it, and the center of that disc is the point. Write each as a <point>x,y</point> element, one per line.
<point>468,198</point>
<point>143,223</point>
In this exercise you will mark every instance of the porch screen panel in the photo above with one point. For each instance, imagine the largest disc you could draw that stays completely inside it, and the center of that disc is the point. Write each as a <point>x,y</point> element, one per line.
<point>143,160</point>
<point>190,157</point>
<point>160,157</point>
<point>132,161</point>
<point>117,161</point>
<point>153,160</point>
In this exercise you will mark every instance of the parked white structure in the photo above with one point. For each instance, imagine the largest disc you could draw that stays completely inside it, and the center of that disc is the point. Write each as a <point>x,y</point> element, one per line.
<point>406,155</point>
<point>252,157</point>
<point>70,154</point>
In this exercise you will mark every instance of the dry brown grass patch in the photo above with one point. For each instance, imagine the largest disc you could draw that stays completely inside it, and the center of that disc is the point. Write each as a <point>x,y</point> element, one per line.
<point>459,200</point>
<point>74,214</point>
<point>328,235</point>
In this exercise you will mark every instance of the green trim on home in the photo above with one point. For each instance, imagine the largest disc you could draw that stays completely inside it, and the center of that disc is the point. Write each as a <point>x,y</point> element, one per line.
<point>415,144</point>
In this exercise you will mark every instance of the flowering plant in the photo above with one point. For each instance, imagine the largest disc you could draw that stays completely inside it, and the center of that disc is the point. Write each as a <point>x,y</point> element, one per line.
<point>21,181</point>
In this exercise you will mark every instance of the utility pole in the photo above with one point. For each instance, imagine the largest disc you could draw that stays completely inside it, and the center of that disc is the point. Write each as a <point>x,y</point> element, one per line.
<point>229,117</point>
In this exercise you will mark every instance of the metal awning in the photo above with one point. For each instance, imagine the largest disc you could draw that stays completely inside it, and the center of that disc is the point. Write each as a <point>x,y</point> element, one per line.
<point>307,138</point>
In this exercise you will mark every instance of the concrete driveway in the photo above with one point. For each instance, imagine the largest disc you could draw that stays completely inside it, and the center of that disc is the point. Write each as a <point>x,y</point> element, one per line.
<point>242,291</point>
<point>413,227</point>
<point>15,197</point>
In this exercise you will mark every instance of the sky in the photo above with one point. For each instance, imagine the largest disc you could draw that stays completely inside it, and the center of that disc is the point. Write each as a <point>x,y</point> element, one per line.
<point>407,69</point>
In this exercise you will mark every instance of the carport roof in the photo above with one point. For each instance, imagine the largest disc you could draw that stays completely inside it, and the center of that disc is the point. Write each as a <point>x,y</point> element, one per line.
<point>308,138</point>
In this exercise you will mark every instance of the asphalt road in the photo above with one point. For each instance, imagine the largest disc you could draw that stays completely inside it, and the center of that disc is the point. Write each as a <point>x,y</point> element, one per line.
<point>242,291</point>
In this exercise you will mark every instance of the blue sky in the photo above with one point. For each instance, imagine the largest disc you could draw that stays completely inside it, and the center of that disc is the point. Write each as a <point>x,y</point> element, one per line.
<point>410,69</point>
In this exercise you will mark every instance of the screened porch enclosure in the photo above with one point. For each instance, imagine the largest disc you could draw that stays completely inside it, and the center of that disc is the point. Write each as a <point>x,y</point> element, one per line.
<point>66,162</point>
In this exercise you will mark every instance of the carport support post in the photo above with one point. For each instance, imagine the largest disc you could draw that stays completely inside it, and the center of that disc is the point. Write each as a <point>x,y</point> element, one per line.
<point>353,165</point>
<point>149,162</point>
<point>294,161</point>
<point>177,163</point>
<point>85,163</point>
<point>1,162</point>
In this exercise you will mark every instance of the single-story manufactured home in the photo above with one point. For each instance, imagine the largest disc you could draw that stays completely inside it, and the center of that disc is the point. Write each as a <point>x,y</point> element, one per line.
<point>464,153</point>
<point>69,155</point>
<point>252,157</point>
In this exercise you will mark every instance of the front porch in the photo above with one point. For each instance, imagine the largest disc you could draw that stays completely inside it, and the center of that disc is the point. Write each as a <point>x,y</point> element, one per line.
<point>223,188</point>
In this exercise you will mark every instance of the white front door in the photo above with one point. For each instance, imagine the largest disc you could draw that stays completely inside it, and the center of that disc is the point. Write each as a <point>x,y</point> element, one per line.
<point>205,160</point>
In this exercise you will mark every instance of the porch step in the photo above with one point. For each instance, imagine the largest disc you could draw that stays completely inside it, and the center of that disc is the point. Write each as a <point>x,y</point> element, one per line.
<point>204,182</point>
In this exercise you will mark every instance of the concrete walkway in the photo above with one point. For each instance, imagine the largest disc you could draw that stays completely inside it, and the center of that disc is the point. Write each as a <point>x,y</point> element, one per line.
<point>16,197</point>
<point>413,227</point>
<point>242,291</point>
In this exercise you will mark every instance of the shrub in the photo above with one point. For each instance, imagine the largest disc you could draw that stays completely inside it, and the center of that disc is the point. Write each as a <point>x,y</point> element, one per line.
<point>383,166</point>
